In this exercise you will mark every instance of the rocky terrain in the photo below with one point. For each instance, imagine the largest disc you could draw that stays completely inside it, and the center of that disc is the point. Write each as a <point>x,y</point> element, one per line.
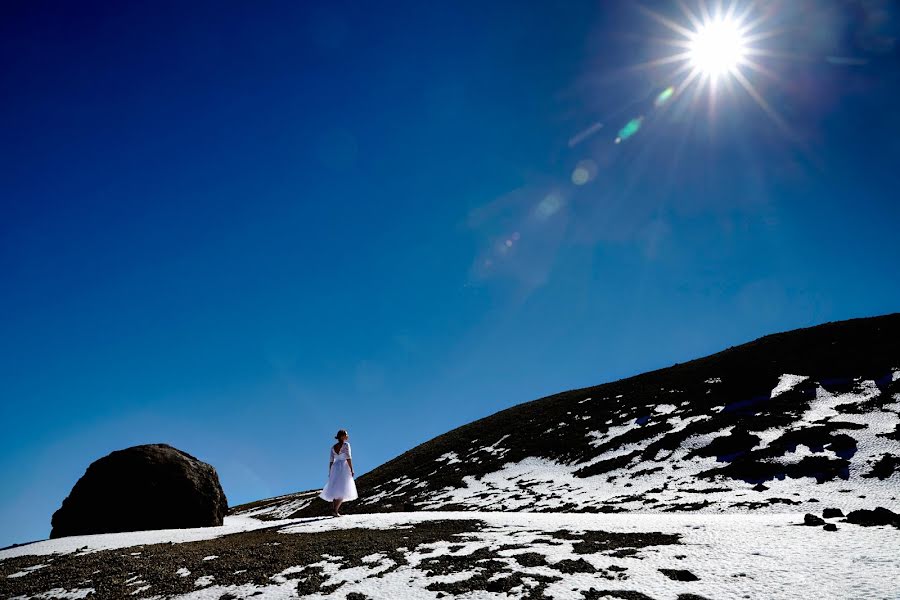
<point>769,470</point>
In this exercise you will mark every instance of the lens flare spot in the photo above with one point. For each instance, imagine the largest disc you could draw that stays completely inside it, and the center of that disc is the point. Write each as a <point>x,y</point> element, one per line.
<point>664,96</point>
<point>631,128</point>
<point>549,206</point>
<point>580,176</point>
<point>584,171</point>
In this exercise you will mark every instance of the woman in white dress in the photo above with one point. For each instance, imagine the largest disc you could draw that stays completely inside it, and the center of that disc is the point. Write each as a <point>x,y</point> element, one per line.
<point>340,486</point>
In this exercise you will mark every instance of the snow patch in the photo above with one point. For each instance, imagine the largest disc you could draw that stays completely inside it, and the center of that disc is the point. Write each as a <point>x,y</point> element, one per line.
<point>450,457</point>
<point>59,594</point>
<point>786,383</point>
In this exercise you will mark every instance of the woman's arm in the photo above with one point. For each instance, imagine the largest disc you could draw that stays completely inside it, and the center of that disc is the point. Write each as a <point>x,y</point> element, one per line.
<point>350,462</point>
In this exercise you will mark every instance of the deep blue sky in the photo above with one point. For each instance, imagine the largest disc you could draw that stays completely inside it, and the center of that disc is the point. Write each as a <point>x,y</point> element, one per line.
<point>236,227</point>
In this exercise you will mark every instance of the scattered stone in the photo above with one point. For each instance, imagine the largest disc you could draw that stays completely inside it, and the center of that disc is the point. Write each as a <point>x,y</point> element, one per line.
<point>679,574</point>
<point>830,513</point>
<point>886,466</point>
<point>809,519</point>
<point>759,487</point>
<point>879,516</point>
<point>830,527</point>
<point>569,566</point>
<point>595,594</point>
<point>591,542</point>
<point>531,559</point>
<point>154,486</point>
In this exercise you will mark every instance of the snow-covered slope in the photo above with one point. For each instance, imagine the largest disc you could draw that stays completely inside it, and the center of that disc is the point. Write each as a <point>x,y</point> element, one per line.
<point>474,555</point>
<point>783,423</point>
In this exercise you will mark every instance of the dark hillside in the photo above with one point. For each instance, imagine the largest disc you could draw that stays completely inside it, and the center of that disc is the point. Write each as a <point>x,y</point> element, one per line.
<point>672,439</point>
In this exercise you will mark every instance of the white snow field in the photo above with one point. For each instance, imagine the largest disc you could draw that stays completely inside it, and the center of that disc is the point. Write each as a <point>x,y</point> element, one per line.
<point>732,556</point>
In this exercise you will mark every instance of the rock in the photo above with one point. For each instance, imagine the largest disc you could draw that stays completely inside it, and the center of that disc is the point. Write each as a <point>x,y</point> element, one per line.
<point>830,527</point>
<point>154,486</point>
<point>830,513</point>
<point>759,487</point>
<point>809,519</point>
<point>879,516</point>
<point>885,467</point>
<point>679,574</point>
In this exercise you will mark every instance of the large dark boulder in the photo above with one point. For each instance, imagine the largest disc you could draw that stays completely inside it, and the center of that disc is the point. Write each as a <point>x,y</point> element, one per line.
<point>146,487</point>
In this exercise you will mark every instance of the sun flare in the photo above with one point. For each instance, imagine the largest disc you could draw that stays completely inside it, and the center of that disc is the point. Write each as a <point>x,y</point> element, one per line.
<point>720,46</point>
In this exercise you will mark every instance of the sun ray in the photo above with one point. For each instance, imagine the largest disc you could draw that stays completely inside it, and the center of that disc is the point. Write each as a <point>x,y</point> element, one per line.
<point>761,69</point>
<point>729,15</point>
<point>762,35</point>
<point>666,21</point>
<point>666,60</point>
<point>686,44</point>
<point>751,25</point>
<point>748,8</point>
<point>687,12</point>
<point>778,54</point>
<point>705,15</point>
<point>765,106</point>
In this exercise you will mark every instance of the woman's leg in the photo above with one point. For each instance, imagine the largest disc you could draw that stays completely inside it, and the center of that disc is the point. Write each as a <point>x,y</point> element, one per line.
<point>337,506</point>
<point>334,506</point>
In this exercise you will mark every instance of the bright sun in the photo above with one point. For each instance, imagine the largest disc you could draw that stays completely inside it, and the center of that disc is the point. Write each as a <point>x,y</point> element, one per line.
<point>717,47</point>
<point>717,43</point>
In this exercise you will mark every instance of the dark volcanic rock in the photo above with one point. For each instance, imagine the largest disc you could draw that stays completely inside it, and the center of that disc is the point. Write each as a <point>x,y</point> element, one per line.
<point>830,527</point>
<point>885,467</point>
<point>830,513</point>
<point>679,574</point>
<point>594,594</point>
<point>146,487</point>
<point>879,516</point>
<point>809,519</point>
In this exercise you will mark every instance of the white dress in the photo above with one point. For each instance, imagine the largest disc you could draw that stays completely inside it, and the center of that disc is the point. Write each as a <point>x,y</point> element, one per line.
<point>340,482</point>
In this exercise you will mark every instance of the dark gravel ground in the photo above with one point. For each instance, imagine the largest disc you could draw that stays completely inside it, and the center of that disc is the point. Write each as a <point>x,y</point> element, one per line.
<point>254,557</point>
